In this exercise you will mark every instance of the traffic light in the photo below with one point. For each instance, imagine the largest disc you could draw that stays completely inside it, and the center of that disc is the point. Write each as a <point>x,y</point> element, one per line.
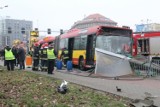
<point>61,31</point>
<point>49,31</point>
<point>34,33</point>
<point>36,29</point>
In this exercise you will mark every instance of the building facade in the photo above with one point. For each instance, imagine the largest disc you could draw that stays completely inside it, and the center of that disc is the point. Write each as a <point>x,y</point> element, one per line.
<point>93,20</point>
<point>12,29</point>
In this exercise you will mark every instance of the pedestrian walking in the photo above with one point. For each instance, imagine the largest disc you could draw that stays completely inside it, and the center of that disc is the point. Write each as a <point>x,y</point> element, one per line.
<point>51,56</point>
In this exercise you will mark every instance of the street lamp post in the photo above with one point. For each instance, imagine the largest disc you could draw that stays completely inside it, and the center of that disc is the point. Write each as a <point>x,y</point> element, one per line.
<point>6,38</point>
<point>3,6</point>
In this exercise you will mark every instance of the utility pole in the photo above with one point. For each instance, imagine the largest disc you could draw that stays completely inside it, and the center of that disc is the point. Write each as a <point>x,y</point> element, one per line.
<point>3,6</point>
<point>6,38</point>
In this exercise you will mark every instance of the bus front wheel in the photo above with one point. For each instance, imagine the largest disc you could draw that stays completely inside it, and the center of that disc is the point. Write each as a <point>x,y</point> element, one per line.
<point>81,64</point>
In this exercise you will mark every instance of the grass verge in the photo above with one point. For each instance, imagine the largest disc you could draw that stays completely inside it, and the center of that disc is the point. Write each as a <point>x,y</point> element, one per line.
<point>26,89</point>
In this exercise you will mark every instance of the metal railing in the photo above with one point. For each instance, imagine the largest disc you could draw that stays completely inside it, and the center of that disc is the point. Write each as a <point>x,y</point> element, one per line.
<point>147,68</point>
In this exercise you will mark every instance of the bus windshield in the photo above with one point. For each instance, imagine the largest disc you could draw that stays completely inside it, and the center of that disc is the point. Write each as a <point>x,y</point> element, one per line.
<point>115,44</point>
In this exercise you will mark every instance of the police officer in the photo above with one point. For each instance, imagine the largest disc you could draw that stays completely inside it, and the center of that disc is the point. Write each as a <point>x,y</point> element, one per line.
<point>36,57</point>
<point>9,58</point>
<point>44,57</point>
<point>51,56</point>
<point>65,56</point>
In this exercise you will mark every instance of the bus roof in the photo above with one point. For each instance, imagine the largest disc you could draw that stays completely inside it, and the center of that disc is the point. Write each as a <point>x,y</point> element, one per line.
<point>49,39</point>
<point>40,41</point>
<point>88,31</point>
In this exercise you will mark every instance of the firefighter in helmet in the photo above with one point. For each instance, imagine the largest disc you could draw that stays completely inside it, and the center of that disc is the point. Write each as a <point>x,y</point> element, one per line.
<point>44,57</point>
<point>64,56</point>
<point>35,57</point>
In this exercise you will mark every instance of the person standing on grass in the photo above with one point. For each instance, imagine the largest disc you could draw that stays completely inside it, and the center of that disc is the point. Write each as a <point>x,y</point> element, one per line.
<point>35,57</point>
<point>51,56</point>
<point>2,54</point>
<point>14,49</point>
<point>9,58</point>
<point>21,55</point>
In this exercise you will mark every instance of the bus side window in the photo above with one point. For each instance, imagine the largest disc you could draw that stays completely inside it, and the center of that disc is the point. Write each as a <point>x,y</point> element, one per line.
<point>83,42</point>
<point>76,44</point>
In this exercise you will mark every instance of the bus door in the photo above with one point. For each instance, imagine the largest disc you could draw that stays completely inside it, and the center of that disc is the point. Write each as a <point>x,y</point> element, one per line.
<point>90,49</point>
<point>57,43</point>
<point>70,47</point>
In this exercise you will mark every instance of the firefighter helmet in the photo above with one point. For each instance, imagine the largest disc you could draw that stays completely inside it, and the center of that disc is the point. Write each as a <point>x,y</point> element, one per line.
<point>45,44</point>
<point>51,45</point>
<point>36,44</point>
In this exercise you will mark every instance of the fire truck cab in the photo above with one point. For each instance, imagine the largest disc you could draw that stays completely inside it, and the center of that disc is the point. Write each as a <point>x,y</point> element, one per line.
<point>147,44</point>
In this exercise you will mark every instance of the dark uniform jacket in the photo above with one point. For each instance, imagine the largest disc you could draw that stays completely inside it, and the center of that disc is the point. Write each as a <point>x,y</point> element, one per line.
<point>65,54</point>
<point>36,52</point>
<point>44,54</point>
<point>21,54</point>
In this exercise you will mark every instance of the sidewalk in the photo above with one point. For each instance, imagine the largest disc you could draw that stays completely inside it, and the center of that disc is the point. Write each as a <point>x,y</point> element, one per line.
<point>132,89</point>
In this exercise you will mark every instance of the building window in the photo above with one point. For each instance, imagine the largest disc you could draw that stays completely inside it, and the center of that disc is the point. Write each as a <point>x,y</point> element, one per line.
<point>9,30</point>
<point>23,30</point>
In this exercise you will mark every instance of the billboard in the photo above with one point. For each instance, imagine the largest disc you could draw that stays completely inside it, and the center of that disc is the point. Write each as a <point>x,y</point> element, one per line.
<point>148,27</point>
<point>141,27</point>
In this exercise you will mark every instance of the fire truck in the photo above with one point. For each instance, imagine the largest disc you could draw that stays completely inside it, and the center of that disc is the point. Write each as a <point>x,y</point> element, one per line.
<point>147,44</point>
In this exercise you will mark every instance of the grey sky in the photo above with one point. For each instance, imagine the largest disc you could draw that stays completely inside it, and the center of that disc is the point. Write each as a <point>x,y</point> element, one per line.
<point>57,14</point>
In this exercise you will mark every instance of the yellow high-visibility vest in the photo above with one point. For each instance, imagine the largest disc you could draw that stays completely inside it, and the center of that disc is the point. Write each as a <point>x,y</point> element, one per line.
<point>9,55</point>
<point>50,54</point>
